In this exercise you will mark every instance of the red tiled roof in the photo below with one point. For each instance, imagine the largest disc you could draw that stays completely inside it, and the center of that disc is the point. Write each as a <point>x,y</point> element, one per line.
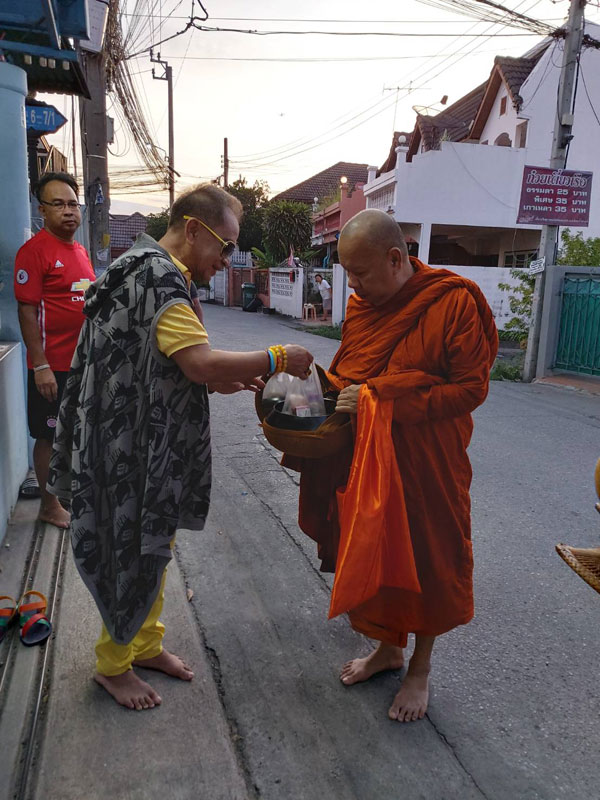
<point>124,228</point>
<point>325,182</point>
<point>453,123</point>
<point>515,72</point>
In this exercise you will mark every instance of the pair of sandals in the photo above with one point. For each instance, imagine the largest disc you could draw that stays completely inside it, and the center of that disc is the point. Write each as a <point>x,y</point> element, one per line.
<point>35,625</point>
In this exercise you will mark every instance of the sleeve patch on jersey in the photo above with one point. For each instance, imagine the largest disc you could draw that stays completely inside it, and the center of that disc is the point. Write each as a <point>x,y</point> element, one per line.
<point>22,276</point>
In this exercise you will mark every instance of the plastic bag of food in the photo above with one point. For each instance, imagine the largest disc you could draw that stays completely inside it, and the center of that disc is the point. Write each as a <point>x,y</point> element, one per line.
<point>276,389</point>
<point>305,397</point>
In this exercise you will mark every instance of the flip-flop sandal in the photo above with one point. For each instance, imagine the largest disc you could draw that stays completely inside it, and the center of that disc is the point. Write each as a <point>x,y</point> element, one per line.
<point>30,488</point>
<point>35,626</point>
<point>8,610</point>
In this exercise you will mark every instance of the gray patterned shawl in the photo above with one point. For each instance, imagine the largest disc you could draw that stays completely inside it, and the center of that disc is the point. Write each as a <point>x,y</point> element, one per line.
<point>132,445</point>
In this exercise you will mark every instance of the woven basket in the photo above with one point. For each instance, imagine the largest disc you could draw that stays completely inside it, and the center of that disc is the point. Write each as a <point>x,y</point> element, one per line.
<point>584,561</point>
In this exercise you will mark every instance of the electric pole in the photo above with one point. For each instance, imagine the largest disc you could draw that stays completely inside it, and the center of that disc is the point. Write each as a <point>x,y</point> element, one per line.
<point>563,124</point>
<point>92,117</point>
<point>225,163</point>
<point>168,77</point>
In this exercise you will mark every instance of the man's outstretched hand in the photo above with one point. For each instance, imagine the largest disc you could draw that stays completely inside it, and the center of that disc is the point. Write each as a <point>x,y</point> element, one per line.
<point>348,399</point>
<point>254,385</point>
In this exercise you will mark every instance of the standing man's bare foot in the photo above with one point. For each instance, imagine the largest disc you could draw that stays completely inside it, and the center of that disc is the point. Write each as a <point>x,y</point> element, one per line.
<point>411,701</point>
<point>52,511</point>
<point>385,657</point>
<point>168,663</point>
<point>129,690</point>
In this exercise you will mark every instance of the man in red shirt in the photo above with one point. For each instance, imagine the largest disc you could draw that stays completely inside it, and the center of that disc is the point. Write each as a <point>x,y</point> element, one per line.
<point>52,272</point>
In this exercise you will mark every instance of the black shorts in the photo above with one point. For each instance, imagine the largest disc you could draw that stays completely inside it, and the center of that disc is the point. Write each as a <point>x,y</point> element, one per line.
<point>41,414</point>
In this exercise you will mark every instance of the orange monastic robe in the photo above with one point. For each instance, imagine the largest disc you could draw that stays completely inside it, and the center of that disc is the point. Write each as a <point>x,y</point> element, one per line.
<point>392,518</point>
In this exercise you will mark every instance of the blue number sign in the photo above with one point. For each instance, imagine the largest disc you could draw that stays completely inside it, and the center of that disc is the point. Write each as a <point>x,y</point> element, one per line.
<point>43,119</point>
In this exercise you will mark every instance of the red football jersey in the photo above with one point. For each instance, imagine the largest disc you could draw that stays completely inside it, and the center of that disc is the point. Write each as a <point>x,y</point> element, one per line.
<point>53,275</point>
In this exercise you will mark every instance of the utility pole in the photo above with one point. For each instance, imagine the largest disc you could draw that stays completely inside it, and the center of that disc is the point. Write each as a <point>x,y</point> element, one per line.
<point>168,77</point>
<point>92,117</point>
<point>563,124</point>
<point>225,163</point>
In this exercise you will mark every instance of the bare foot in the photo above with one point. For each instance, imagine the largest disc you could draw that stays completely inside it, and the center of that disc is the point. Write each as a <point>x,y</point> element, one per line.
<point>168,663</point>
<point>53,513</point>
<point>129,690</point>
<point>361,669</point>
<point>411,701</point>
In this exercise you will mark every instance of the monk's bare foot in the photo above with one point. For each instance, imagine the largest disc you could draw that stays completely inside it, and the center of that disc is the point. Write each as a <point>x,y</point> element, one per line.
<point>361,669</point>
<point>411,701</point>
<point>168,663</point>
<point>53,513</point>
<point>129,690</point>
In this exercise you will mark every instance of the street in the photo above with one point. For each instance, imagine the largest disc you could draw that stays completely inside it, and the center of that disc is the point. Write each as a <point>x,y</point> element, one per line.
<point>515,705</point>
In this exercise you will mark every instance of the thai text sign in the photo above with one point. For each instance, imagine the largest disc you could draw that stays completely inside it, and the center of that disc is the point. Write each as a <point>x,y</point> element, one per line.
<point>555,197</point>
<point>281,284</point>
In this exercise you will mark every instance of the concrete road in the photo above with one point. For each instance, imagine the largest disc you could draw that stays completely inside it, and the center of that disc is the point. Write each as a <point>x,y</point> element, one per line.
<point>515,707</point>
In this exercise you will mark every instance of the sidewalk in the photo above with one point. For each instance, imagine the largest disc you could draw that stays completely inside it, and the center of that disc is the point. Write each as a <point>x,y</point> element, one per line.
<point>578,383</point>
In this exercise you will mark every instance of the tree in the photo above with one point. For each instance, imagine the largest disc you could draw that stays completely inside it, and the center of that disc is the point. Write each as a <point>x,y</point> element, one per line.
<point>253,199</point>
<point>157,224</point>
<point>520,303</point>
<point>287,225</point>
<point>577,251</point>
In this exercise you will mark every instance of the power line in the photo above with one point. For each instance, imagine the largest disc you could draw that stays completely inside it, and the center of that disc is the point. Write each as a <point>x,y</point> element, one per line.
<point>279,152</point>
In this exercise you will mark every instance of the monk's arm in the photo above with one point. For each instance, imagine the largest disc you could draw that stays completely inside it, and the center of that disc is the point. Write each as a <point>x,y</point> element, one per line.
<point>467,378</point>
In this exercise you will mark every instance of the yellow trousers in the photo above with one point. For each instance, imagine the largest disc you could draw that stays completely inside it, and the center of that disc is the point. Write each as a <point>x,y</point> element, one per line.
<point>114,659</point>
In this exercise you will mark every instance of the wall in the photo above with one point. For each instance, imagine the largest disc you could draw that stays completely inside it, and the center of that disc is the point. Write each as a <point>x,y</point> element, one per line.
<point>13,435</point>
<point>496,124</point>
<point>487,278</point>
<point>285,296</point>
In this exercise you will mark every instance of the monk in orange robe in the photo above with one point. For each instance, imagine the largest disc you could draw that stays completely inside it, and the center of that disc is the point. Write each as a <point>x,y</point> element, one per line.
<point>392,516</point>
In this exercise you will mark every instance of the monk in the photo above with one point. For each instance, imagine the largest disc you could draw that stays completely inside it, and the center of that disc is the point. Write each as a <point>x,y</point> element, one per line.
<point>392,516</point>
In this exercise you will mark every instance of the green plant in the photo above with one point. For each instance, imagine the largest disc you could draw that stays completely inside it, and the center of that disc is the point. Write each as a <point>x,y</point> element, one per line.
<point>157,224</point>
<point>286,225</point>
<point>263,259</point>
<point>577,251</point>
<point>253,199</point>
<point>328,331</point>
<point>506,371</point>
<point>520,302</point>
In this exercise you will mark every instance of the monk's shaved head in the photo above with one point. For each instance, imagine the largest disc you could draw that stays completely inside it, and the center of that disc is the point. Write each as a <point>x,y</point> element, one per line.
<point>373,252</point>
<point>376,230</point>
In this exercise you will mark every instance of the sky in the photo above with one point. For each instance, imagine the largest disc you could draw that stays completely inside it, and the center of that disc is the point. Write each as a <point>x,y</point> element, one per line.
<point>293,105</point>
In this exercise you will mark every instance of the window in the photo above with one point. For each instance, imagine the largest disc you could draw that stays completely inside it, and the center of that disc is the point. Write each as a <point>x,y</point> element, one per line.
<point>519,259</point>
<point>503,106</point>
<point>503,140</point>
<point>522,134</point>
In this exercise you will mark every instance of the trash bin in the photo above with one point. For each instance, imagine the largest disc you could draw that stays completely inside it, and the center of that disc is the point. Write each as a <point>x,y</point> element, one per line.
<point>248,294</point>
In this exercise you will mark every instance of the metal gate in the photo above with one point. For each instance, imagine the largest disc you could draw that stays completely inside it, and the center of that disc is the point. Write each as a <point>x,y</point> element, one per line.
<point>579,336</point>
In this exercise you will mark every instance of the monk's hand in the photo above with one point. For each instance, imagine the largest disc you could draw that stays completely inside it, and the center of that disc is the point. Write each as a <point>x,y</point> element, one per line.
<point>348,399</point>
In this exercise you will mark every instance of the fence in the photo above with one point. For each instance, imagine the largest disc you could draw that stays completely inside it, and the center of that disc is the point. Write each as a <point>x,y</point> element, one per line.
<point>578,347</point>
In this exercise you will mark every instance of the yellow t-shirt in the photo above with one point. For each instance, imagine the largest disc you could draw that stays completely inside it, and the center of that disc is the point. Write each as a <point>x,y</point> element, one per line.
<point>178,326</point>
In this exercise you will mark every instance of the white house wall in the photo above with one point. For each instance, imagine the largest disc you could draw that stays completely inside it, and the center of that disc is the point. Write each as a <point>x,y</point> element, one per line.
<point>496,124</point>
<point>461,184</point>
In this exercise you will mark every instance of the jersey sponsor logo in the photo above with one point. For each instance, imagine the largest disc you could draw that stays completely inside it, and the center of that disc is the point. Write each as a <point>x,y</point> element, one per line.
<point>81,285</point>
<point>58,263</point>
<point>22,276</point>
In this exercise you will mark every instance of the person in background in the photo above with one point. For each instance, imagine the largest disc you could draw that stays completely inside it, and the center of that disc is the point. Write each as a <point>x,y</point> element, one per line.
<point>52,273</point>
<point>325,292</point>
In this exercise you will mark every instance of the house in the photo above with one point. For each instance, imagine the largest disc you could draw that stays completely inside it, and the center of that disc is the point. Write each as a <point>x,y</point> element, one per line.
<point>124,230</point>
<point>454,183</point>
<point>329,220</point>
<point>325,184</point>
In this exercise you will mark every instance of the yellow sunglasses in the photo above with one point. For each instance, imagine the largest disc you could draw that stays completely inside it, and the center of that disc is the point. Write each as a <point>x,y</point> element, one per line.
<point>227,248</point>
